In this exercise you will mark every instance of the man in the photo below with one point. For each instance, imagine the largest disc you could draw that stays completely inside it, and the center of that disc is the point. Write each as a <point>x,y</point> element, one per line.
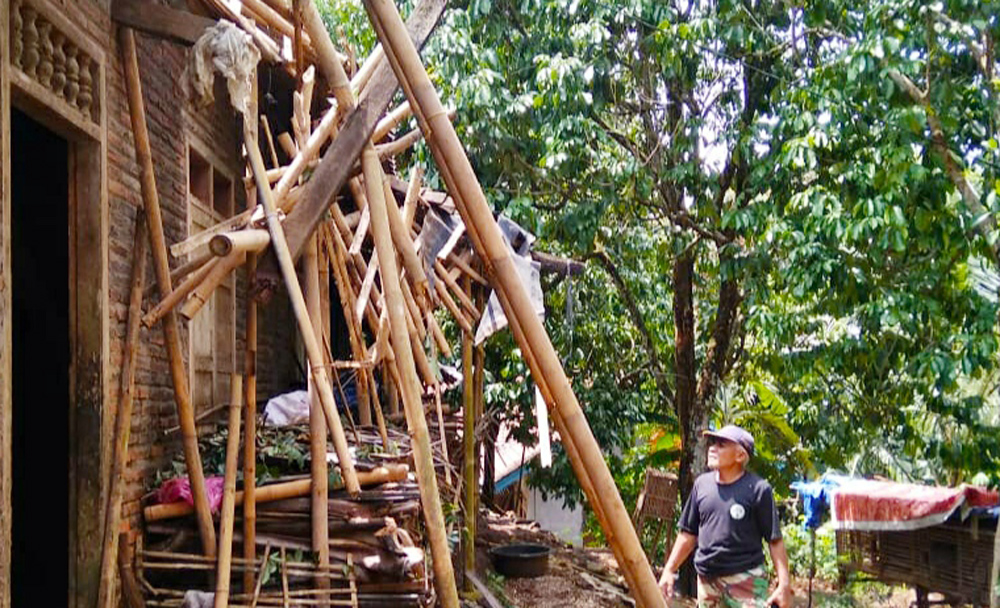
<point>727,516</point>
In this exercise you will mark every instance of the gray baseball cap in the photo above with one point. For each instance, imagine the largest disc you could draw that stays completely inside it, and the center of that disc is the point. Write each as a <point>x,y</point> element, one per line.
<point>735,434</point>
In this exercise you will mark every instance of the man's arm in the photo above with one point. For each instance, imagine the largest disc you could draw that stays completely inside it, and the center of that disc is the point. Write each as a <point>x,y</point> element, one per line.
<point>682,549</point>
<point>782,595</point>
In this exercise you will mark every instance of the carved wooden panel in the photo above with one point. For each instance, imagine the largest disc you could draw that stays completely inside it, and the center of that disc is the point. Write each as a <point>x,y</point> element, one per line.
<point>47,55</point>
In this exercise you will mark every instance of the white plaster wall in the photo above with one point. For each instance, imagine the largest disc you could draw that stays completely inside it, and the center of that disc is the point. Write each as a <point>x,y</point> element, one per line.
<point>552,515</point>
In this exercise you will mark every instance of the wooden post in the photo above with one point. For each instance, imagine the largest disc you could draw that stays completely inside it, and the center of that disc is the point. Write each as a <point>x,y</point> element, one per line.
<point>444,575</point>
<point>226,516</point>
<point>123,419</point>
<point>313,351</point>
<point>485,235</point>
<point>470,460</point>
<point>317,426</point>
<point>151,202</point>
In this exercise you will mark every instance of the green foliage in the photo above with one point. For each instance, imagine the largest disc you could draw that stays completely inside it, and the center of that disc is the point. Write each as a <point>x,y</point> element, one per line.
<point>779,146</point>
<point>801,550</point>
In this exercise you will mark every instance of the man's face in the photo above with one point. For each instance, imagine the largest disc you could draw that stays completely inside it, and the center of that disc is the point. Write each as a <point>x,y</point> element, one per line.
<point>723,453</point>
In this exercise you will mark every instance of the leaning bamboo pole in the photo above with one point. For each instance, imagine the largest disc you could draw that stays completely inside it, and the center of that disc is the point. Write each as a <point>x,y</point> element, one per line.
<point>175,297</point>
<point>219,273</point>
<point>337,253</point>
<point>317,425</point>
<point>470,460</point>
<point>151,202</point>
<point>313,351</point>
<point>227,514</point>
<point>486,237</point>
<point>123,417</point>
<point>444,575</point>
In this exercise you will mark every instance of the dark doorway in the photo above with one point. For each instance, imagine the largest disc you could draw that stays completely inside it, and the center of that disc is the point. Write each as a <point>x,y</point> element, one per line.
<point>41,361</point>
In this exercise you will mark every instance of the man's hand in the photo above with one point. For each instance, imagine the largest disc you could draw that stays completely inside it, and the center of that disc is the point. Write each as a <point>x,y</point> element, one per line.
<point>667,580</point>
<point>782,597</point>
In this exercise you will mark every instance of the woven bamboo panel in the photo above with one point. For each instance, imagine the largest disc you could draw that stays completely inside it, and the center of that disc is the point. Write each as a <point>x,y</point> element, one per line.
<point>951,559</point>
<point>659,496</point>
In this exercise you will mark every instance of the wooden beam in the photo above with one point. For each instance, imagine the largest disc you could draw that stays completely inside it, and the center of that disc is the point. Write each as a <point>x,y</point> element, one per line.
<point>338,162</point>
<point>160,21</point>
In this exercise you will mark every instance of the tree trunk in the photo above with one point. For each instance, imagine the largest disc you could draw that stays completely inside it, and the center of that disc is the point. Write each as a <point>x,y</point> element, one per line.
<point>685,397</point>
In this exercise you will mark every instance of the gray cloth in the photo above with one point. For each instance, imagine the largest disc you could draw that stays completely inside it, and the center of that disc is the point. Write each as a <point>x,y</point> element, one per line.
<point>730,521</point>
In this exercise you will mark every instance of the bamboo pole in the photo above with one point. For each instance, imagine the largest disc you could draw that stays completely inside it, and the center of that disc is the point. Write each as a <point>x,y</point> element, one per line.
<point>317,425</point>
<point>270,141</point>
<point>251,240</point>
<point>470,460</point>
<point>281,491</point>
<point>457,290</point>
<point>337,254</point>
<point>390,120</point>
<point>438,335</point>
<point>367,70</point>
<point>175,297</point>
<point>250,427</point>
<point>486,237</point>
<point>414,312</point>
<point>412,196</point>
<point>441,431</point>
<point>398,146</point>
<point>151,202</point>
<point>313,351</point>
<point>453,308</point>
<point>123,417</point>
<point>219,273</point>
<point>226,516</point>
<point>177,274</point>
<point>471,272</point>
<point>250,371</point>
<point>444,575</point>
<point>306,155</point>
<point>404,245</point>
<point>288,145</point>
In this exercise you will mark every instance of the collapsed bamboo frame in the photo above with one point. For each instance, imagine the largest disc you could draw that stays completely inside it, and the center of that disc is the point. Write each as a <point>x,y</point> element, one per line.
<point>486,238</point>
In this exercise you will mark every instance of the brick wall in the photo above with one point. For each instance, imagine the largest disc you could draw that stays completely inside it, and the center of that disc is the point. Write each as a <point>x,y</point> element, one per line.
<point>170,122</point>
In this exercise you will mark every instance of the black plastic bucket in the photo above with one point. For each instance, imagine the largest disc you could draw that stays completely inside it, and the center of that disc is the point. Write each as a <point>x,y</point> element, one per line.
<point>522,560</point>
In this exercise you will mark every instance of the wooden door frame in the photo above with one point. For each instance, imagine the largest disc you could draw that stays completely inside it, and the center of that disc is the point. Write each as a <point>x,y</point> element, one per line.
<point>89,338</point>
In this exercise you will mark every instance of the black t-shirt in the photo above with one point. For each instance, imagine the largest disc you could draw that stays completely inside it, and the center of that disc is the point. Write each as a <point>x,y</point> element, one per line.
<point>730,521</point>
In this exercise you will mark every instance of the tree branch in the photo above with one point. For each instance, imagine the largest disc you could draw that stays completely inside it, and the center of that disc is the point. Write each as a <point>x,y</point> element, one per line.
<point>656,369</point>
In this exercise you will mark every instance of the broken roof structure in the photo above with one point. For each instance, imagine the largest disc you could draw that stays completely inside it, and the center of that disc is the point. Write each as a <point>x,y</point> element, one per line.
<point>400,255</point>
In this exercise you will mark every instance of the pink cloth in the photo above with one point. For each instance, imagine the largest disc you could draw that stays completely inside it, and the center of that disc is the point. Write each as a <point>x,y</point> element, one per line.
<point>863,504</point>
<point>179,489</point>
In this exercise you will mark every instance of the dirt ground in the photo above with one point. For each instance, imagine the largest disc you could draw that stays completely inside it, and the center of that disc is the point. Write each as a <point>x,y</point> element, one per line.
<point>588,578</point>
<point>560,588</point>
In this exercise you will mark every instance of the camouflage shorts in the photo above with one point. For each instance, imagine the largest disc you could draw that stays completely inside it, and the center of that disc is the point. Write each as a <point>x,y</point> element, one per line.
<point>743,590</point>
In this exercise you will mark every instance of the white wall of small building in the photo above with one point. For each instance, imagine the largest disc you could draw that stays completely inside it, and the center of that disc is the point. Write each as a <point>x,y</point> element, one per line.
<point>553,515</point>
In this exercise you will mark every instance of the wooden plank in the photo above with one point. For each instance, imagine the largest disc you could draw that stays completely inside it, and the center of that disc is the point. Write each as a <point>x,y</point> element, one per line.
<point>488,597</point>
<point>6,350</point>
<point>338,162</point>
<point>160,21</point>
